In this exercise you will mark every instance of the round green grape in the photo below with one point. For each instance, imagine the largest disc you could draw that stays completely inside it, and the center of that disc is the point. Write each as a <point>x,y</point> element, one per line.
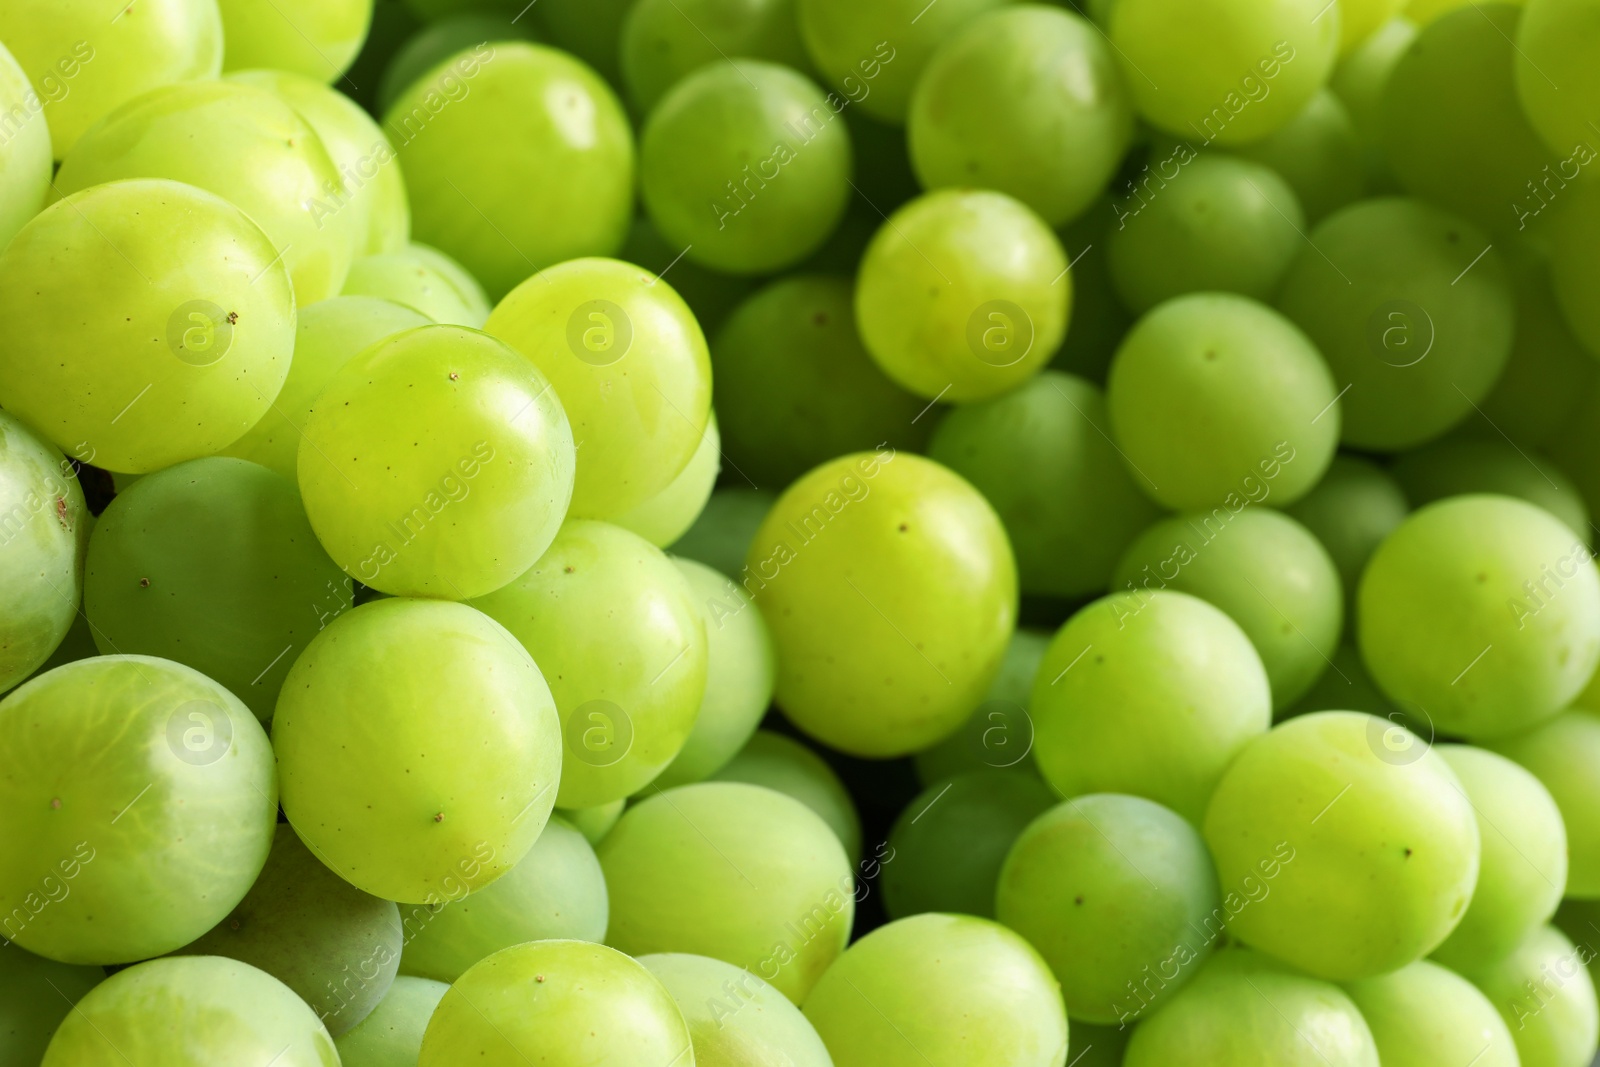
<point>392,1035</point>
<point>1318,153</point>
<point>1351,510</point>
<point>406,277</point>
<point>1564,754</point>
<point>713,996</point>
<point>1000,733</point>
<point>437,41</point>
<point>665,517</point>
<point>36,994</point>
<point>1457,467</point>
<point>721,534</point>
<point>1556,80</point>
<point>664,41</point>
<point>1545,995</point>
<point>1423,1015</point>
<point>787,766</point>
<point>25,160</point>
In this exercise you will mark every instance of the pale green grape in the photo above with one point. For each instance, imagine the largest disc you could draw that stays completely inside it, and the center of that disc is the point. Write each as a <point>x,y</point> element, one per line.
<point>665,517</point>
<point>182,768</point>
<point>168,351</point>
<point>1374,844</point>
<point>25,168</point>
<point>413,277</point>
<point>721,534</point>
<point>1456,467</point>
<point>664,41</point>
<point>891,593</point>
<point>472,509</point>
<point>747,164</point>
<point>963,295</point>
<point>623,640</point>
<point>964,989</point>
<point>1042,455</point>
<point>1028,100</point>
<point>999,733</point>
<point>736,872</point>
<point>1318,153</point>
<point>1099,320</point>
<point>710,294</point>
<point>1575,265</point>
<point>1412,310</point>
<point>1422,1015</point>
<point>36,994</point>
<point>1113,891</point>
<point>1359,81</point>
<point>596,822</point>
<point>1216,400</point>
<point>1556,77</point>
<point>1148,693</point>
<point>1351,510</point>
<point>438,41</point>
<point>334,945</point>
<point>787,766</point>
<point>259,154</point>
<point>316,38</point>
<point>735,1019</point>
<point>1270,575</point>
<point>589,29</point>
<point>1360,19</point>
<point>192,1011</point>
<point>556,891</point>
<point>392,803</point>
<point>516,156</point>
<point>88,57</point>
<point>392,1035</point>
<point>1564,754</point>
<point>1483,610</point>
<point>636,421</point>
<point>1545,995</point>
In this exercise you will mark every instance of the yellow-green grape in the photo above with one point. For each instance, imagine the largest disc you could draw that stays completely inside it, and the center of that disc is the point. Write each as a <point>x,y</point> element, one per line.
<point>1575,265</point>
<point>516,156</point>
<point>736,872</point>
<point>316,38</point>
<point>1545,995</point>
<point>1374,843</point>
<point>630,365</point>
<point>1359,81</point>
<point>1099,320</point>
<point>1119,896</point>
<point>621,634</point>
<point>1347,686</point>
<point>169,351</point>
<point>735,1019</point>
<point>1042,455</point>
<point>1351,510</point>
<point>665,517</point>
<point>435,42</point>
<point>961,988</point>
<point>436,463</point>
<point>963,295</point>
<point>1556,79</point>
<point>596,822</point>
<point>415,277</point>
<point>789,767</point>
<point>191,1011</point>
<point>1246,1010</point>
<point>1360,19</point>
<point>88,58</point>
<point>720,536</point>
<point>1000,733</point>
<point>1564,754</point>
<point>36,994</point>
<point>1318,153</point>
<point>556,891</point>
<point>394,805</point>
<point>328,335</point>
<point>891,593</point>
<point>1229,71</point>
<point>1028,100</point>
<point>181,766</point>
<point>1089,1045</point>
<point>1217,401</point>
<point>1484,611</point>
<point>1412,309</point>
<point>25,158</point>
<point>1423,1014</point>
<point>664,41</point>
<point>392,1035</point>
<point>1456,467</point>
<point>589,29</point>
<point>746,164</point>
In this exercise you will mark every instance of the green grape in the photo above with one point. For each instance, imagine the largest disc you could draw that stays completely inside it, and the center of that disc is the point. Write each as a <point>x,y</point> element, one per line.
<point>392,1035</point>
<point>260,155</point>
<point>123,360</point>
<point>963,295</point>
<point>787,766</point>
<point>1231,226</point>
<point>1456,467</point>
<point>744,164</point>
<point>1545,995</point>
<point>1575,266</point>
<point>1269,573</point>
<point>1171,694</point>
<point>1099,321</point>
<point>713,996</point>
<point>1524,864</point>
<point>1360,19</point>
<point>740,670</point>
<point>721,535</point>
<point>1318,153</point>
<point>622,636</point>
<point>664,41</point>
<point>328,335</point>
<point>1043,457</point>
<point>1028,100</point>
<point>191,1011</point>
<point>1216,400</point>
<point>965,989</point>
<point>334,945</point>
<point>1246,1010</point>
<point>1347,686</point>
<point>212,564</point>
<point>1119,896</point>
<point>1422,1015</point>
<point>1412,310</point>
<point>890,629</point>
<point>36,994</point>
<point>1351,510</point>
<point>1564,754</point>
<point>874,54</point>
<point>142,803</point>
<point>498,128</point>
<point>556,891</point>
<point>594,823</point>
<point>665,517</point>
<point>25,169</point>
<point>393,804</point>
<point>1000,733</point>
<point>1089,1045</point>
<point>406,278</point>
<point>589,29</point>
<point>1483,610</point>
<point>796,388</point>
<point>463,516</point>
<point>736,872</point>
<point>1359,80</point>
<point>1378,844</point>
<point>711,295</point>
<point>88,58</point>
<point>315,38</point>
<point>370,183</point>
<point>1229,71</point>
<point>636,422</point>
<point>438,41</point>
<point>949,842</point>
<point>1555,73</point>
<point>44,531</point>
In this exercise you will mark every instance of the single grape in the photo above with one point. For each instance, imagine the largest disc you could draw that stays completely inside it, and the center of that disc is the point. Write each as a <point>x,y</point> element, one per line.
<point>714,996</point>
<point>1423,1015</point>
<point>596,822</point>
<point>36,994</point>
<point>1456,467</point>
<point>721,534</point>
<point>25,167</point>
<point>664,41</point>
<point>1351,510</point>
<point>787,766</point>
<point>1545,995</point>
<point>436,42</point>
<point>1099,321</point>
<point>406,277</point>
<point>1359,80</point>
<point>1318,153</point>
<point>1000,733</point>
<point>1564,754</point>
<point>392,1035</point>
<point>315,38</point>
<point>1555,74</point>
<point>665,517</point>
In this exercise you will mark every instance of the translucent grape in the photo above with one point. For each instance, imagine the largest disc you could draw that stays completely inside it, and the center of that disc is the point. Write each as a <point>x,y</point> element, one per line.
<point>1555,72</point>
<point>1455,467</point>
<point>1545,995</point>
<point>406,278</point>
<point>1351,510</point>
<point>665,517</point>
<point>713,997</point>
<point>1564,754</point>
<point>1422,1015</point>
<point>1318,153</point>
<point>438,41</point>
<point>721,534</point>
<point>664,41</point>
<point>36,994</point>
<point>25,167</point>
<point>786,766</point>
<point>392,1035</point>
<point>999,733</point>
